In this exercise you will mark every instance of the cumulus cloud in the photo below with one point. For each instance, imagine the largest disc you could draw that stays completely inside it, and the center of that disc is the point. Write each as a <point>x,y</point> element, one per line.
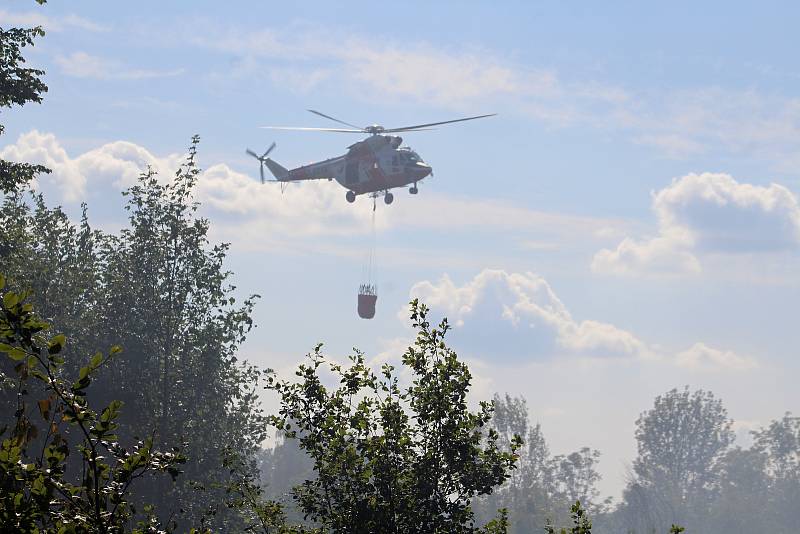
<point>518,317</point>
<point>264,216</point>
<point>244,206</point>
<point>117,164</point>
<point>83,65</point>
<point>703,214</point>
<point>520,312</point>
<point>259,213</point>
<point>722,214</point>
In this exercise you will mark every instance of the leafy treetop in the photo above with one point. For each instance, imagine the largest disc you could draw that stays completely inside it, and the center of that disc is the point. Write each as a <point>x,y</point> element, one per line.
<point>18,86</point>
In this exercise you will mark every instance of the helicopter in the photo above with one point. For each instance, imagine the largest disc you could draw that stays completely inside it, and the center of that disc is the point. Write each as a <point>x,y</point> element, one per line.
<point>372,166</point>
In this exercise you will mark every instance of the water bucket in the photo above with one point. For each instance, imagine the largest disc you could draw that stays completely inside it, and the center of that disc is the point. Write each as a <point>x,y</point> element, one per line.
<point>367,297</point>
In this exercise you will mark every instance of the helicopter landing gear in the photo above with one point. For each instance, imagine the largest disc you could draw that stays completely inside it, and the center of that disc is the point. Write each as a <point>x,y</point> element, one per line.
<point>350,196</point>
<point>388,198</point>
<point>413,189</point>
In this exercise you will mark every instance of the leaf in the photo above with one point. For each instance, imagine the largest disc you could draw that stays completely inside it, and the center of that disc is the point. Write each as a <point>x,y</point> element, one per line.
<point>56,344</point>
<point>15,353</point>
<point>44,408</point>
<point>96,360</point>
<point>10,300</point>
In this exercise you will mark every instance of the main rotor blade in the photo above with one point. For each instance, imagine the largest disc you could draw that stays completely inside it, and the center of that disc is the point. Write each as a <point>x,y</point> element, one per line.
<point>311,129</point>
<point>418,126</point>
<point>331,118</point>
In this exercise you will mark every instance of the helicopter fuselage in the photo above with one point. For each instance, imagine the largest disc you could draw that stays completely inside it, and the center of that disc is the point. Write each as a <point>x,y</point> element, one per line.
<point>374,165</point>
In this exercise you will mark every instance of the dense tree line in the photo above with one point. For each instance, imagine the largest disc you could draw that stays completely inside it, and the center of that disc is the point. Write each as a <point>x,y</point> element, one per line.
<point>544,486</point>
<point>158,289</point>
<point>690,472</point>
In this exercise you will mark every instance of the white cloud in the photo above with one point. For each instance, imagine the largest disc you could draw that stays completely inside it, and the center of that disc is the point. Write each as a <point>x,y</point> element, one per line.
<point>260,214</point>
<point>678,123</point>
<point>703,357</point>
<point>435,211</point>
<point>705,214</point>
<point>658,256</point>
<point>683,123</point>
<point>117,164</point>
<point>30,19</point>
<point>245,208</point>
<point>263,216</point>
<point>522,312</point>
<point>456,79</point>
<point>83,65</point>
<point>517,317</point>
<point>433,76</point>
<point>722,214</point>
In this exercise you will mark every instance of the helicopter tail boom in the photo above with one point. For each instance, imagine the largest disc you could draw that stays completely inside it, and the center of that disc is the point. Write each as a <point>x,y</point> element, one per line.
<point>278,171</point>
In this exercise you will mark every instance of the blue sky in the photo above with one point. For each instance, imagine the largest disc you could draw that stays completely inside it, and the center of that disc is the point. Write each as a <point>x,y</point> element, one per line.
<point>628,223</point>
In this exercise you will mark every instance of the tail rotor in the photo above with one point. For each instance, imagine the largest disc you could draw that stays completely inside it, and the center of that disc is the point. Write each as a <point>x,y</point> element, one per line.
<point>261,159</point>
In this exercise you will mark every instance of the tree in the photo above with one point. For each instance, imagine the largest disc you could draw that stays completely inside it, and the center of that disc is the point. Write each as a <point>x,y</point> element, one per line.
<point>529,491</point>
<point>160,290</point>
<point>176,315</point>
<point>37,493</point>
<point>245,495</point>
<point>581,524</point>
<point>543,487</point>
<point>18,86</point>
<point>392,458</point>
<point>281,468</point>
<point>681,442</point>
<point>779,444</point>
<point>743,503</point>
<point>577,478</point>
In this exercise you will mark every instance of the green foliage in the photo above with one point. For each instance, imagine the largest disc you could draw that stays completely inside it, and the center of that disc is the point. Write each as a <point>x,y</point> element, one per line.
<point>18,86</point>
<point>392,458</point>
<point>176,314</point>
<point>682,442</point>
<point>37,493</point>
<point>581,524</point>
<point>246,496</point>
<point>543,487</point>
<point>771,473</point>
<point>281,468</point>
<point>158,288</point>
